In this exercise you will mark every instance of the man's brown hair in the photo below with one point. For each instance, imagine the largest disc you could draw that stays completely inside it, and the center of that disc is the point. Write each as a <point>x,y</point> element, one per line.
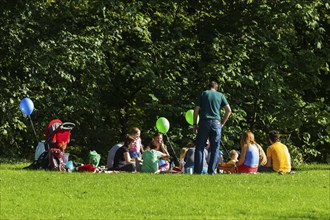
<point>213,85</point>
<point>274,136</point>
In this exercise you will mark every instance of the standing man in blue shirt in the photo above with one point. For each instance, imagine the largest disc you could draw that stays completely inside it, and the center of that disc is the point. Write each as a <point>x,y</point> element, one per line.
<point>210,125</point>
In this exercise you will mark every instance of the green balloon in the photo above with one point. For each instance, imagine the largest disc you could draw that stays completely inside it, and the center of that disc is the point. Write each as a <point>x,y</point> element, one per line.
<point>162,125</point>
<point>189,115</point>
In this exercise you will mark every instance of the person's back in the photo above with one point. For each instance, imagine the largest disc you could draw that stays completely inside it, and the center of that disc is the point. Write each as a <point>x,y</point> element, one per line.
<point>280,157</point>
<point>150,161</point>
<point>210,103</point>
<point>112,153</point>
<point>233,162</point>
<point>119,159</point>
<point>190,157</point>
<point>151,158</point>
<point>252,156</point>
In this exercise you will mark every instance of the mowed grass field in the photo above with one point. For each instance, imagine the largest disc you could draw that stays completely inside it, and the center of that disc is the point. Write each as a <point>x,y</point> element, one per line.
<point>54,195</point>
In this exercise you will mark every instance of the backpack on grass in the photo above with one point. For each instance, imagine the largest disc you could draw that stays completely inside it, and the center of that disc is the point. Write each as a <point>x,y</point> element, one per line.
<point>94,158</point>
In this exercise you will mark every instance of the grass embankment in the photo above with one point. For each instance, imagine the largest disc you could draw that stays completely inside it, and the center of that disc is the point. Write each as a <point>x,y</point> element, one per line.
<point>53,195</point>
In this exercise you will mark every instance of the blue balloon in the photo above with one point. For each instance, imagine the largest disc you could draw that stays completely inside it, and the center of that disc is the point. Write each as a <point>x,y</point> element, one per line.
<point>26,105</point>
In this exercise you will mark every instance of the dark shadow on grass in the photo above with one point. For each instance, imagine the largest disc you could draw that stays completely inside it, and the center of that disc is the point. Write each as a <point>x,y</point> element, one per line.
<point>312,167</point>
<point>311,214</point>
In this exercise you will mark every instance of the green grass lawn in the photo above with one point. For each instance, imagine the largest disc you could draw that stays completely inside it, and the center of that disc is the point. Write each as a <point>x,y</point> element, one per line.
<point>54,195</point>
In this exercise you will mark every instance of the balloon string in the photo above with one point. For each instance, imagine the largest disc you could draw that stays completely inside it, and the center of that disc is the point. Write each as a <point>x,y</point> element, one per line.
<point>225,149</point>
<point>35,134</point>
<point>171,147</point>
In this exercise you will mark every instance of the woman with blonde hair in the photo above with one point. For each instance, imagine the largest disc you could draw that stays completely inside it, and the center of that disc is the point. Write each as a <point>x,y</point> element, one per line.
<point>251,154</point>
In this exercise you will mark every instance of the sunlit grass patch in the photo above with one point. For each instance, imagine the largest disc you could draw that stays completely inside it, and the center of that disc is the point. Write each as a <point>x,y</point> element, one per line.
<point>54,195</point>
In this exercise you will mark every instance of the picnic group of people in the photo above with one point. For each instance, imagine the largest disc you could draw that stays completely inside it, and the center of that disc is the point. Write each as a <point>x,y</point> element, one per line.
<point>203,157</point>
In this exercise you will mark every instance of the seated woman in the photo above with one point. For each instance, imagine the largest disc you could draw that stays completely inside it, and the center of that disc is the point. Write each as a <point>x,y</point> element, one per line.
<point>160,146</point>
<point>122,160</point>
<point>250,154</point>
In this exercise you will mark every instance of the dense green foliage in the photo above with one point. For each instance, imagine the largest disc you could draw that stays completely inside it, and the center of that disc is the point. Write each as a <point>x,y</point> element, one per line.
<point>54,195</point>
<point>109,65</point>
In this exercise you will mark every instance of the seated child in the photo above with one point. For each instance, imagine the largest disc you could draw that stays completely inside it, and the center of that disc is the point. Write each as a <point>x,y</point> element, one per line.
<point>230,166</point>
<point>151,157</point>
<point>233,157</point>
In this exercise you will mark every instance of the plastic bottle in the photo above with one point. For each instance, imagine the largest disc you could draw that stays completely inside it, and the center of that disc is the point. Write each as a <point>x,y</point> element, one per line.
<point>69,165</point>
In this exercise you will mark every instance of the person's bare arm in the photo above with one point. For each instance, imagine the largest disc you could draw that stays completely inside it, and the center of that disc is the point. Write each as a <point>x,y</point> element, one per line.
<point>196,112</point>
<point>165,156</point>
<point>263,157</point>
<point>163,149</point>
<point>269,162</point>
<point>242,156</point>
<point>226,116</point>
<point>128,158</point>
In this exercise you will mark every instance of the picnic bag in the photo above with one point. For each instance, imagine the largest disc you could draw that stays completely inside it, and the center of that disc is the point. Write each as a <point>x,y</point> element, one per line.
<point>94,158</point>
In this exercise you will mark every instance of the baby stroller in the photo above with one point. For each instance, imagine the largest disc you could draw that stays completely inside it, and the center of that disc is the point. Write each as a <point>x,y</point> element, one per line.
<point>228,167</point>
<point>49,154</point>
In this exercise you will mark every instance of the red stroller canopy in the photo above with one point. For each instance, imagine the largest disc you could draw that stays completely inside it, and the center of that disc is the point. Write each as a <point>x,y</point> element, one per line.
<point>57,134</point>
<point>52,126</point>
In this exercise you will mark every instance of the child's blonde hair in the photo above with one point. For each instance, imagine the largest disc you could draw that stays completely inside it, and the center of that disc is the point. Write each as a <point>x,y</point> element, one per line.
<point>134,131</point>
<point>233,153</point>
